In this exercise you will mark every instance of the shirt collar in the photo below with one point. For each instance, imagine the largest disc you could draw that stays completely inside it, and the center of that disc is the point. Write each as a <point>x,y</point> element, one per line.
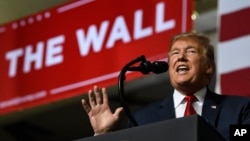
<point>178,96</point>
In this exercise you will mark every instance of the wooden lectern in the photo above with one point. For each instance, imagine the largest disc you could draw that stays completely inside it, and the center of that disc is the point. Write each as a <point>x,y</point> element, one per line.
<point>192,128</point>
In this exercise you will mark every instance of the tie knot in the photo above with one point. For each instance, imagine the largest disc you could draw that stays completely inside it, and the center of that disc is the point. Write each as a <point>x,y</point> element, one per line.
<point>190,98</point>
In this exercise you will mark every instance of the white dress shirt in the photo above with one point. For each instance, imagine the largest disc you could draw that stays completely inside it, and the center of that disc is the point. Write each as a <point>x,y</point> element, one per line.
<point>180,103</point>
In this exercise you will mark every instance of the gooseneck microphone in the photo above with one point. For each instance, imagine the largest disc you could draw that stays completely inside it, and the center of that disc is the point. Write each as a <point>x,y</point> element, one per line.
<point>145,67</point>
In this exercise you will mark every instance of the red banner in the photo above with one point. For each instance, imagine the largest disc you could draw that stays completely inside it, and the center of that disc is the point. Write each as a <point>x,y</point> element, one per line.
<point>62,52</point>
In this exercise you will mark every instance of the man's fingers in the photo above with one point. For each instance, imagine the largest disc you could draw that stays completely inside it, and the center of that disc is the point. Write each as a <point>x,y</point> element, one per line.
<point>105,96</point>
<point>118,112</point>
<point>85,106</point>
<point>91,96</point>
<point>97,95</point>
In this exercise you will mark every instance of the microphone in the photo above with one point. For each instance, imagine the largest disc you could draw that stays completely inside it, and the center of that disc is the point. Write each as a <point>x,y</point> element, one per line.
<point>146,67</point>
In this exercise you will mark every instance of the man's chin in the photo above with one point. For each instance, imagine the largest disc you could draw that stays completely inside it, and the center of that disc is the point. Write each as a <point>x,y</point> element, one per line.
<point>183,84</point>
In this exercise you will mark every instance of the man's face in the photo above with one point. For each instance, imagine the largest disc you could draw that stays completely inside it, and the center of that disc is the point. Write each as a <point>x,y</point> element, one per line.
<point>188,67</point>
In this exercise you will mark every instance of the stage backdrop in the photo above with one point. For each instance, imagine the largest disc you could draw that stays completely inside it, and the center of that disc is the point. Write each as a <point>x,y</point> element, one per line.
<point>234,47</point>
<point>62,52</point>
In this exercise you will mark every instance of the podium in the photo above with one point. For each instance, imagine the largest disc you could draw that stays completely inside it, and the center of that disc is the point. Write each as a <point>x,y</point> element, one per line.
<point>192,128</point>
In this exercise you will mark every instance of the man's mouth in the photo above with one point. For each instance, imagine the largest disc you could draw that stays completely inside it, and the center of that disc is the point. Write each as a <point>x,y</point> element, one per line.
<point>182,69</point>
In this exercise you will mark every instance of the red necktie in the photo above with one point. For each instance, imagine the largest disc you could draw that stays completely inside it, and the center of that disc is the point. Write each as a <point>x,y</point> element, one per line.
<point>189,108</point>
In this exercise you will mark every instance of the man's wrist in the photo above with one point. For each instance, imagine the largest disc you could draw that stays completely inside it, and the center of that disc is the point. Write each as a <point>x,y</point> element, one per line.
<point>100,132</point>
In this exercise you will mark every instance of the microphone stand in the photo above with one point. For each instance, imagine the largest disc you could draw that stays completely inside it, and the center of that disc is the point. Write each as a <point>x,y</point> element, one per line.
<point>121,80</point>
<point>145,67</point>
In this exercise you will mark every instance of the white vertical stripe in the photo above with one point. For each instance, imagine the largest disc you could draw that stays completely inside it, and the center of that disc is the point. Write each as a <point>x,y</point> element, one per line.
<point>234,54</point>
<point>228,6</point>
<point>184,16</point>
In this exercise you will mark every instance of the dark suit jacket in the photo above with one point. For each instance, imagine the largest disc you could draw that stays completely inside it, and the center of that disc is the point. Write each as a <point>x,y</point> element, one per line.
<point>219,110</point>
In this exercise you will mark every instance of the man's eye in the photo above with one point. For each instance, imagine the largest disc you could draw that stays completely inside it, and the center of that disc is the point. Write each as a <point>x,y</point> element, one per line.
<point>191,51</point>
<point>174,52</point>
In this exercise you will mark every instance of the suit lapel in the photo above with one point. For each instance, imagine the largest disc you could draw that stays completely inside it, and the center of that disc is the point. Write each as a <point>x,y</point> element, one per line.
<point>210,110</point>
<point>211,107</point>
<point>167,110</point>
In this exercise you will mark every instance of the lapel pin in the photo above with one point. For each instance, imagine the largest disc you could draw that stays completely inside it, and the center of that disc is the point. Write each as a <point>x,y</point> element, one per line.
<point>213,107</point>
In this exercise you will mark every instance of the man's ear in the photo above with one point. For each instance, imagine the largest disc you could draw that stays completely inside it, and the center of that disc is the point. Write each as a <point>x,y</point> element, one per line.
<point>210,68</point>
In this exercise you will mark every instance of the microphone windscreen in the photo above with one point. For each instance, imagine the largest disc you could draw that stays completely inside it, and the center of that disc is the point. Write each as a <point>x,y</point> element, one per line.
<point>159,67</point>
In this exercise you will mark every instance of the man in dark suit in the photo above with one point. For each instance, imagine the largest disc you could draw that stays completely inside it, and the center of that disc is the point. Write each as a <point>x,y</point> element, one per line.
<point>191,67</point>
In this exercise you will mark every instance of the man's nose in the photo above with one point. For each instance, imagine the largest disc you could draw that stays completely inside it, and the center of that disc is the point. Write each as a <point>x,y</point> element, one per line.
<point>182,56</point>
